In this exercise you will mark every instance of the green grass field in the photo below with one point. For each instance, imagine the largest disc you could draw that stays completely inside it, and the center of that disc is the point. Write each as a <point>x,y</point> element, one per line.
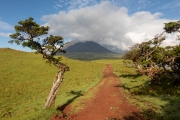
<point>26,79</point>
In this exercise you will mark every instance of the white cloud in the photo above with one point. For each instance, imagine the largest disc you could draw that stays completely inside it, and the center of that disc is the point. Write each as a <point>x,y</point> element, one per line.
<point>143,3</point>
<point>73,4</point>
<point>138,37</point>
<point>106,24</point>
<point>4,34</point>
<point>5,26</point>
<point>171,40</point>
<point>171,5</point>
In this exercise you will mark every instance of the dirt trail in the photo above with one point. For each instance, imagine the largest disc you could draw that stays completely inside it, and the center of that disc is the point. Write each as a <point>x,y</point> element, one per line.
<point>109,102</point>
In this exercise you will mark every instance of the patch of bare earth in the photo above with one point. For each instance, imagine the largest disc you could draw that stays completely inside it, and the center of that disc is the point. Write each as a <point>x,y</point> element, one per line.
<point>109,103</point>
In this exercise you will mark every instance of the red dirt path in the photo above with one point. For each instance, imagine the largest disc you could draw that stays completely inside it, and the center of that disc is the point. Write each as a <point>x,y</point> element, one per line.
<point>109,102</point>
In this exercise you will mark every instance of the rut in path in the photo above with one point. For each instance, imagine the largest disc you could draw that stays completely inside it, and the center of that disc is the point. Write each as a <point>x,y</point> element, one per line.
<point>109,102</point>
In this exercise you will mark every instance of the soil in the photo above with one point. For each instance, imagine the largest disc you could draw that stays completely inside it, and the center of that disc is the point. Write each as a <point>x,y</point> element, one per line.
<point>108,103</point>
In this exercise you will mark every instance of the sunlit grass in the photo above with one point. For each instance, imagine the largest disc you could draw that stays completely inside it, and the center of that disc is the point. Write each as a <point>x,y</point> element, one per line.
<point>26,79</point>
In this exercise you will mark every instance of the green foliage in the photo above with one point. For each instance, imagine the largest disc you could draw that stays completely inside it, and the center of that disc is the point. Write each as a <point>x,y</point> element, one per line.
<point>161,64</point>
<point>28,30</point>
<point>28,34</point>
<point>172,26</point>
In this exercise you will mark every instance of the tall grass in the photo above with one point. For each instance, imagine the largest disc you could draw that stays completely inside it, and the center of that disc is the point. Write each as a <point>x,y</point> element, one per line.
<point>25,81</point>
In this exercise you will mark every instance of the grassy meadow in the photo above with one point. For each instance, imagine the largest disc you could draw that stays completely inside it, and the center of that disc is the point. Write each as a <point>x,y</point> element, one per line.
<point>25,81</point>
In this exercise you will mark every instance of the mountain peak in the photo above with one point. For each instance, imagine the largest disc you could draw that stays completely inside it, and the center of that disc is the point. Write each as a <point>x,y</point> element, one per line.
<point>87,46</point>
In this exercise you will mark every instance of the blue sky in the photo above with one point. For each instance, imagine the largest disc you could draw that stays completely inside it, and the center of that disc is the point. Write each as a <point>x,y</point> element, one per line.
<point>116,24</point>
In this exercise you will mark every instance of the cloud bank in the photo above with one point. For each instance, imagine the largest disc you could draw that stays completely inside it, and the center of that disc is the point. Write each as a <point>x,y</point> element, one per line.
<point>5,27</point>
<point>106,24</point>
<point>4,34</point>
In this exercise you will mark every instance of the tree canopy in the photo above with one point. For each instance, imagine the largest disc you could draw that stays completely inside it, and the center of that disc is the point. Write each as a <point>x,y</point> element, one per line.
<point>30,34</point>
<point>161,64</point>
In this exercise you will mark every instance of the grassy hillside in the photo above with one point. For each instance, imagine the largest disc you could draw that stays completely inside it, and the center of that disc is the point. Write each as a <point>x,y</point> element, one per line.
<point>25,81</point>
<point>91,56</point>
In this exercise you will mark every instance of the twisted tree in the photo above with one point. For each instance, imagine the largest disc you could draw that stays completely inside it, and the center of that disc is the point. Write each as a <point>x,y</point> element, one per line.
<point>28,34</point>
<point>161,64</point>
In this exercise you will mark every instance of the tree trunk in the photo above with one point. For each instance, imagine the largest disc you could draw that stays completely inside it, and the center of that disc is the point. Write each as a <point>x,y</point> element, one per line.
<point>56,85</point>
<point>150,71</point>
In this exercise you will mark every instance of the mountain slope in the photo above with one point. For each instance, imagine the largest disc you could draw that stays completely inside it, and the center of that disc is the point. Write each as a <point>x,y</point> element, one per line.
<point>88,46</point>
